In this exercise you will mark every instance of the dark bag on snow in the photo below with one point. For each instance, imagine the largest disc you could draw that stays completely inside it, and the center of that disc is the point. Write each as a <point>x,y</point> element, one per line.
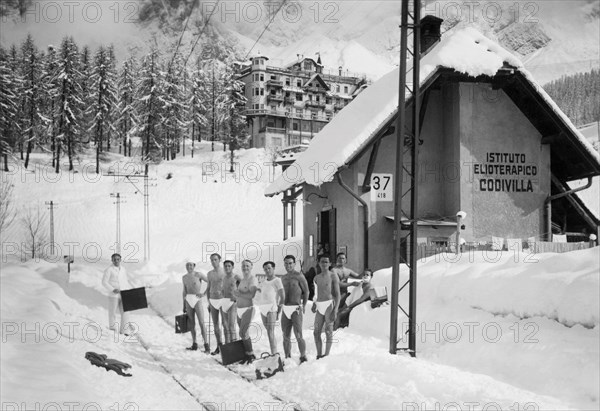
<point>233,352</point>
<point>182,324</point>
<point>268,365</point>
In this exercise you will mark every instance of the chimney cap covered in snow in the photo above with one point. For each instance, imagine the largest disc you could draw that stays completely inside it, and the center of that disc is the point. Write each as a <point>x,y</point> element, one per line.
<point>430,32</point>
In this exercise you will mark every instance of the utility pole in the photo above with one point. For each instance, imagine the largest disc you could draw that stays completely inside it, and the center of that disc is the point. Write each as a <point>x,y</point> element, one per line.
<point>407,142</point>
<point>213,106</point>
<point>118,219</point>
<point>51,205</point>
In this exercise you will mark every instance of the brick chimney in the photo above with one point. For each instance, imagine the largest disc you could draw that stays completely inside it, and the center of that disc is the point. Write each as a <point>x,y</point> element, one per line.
<point>430,33</point>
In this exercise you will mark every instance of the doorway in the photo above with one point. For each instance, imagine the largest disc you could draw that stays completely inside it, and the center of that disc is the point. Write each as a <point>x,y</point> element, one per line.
<point>326,234</point>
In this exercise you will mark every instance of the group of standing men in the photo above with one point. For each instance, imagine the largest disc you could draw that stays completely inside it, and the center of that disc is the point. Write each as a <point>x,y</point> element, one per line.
<point>232,299</point>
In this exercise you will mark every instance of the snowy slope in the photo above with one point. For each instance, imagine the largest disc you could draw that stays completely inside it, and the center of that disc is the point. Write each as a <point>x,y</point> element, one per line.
<point>512,330</point>
<point>517,354</point>
<point>185,196</point>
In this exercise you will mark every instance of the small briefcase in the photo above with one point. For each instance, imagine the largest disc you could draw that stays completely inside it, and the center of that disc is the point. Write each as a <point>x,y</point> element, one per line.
<point>182,323</point>
<point>233,352</point>
<point>134,299</point>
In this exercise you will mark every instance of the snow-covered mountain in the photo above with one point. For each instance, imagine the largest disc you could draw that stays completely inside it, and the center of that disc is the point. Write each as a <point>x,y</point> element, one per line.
<point>552,37</point>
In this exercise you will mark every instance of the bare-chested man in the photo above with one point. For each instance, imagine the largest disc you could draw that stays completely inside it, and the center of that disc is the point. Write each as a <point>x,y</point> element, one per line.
<point>215,296</point>
<point>326,306</point>
<point>296,295</point>
<point>228,306</point>
<point>344,274</point>
<point>193,304</point>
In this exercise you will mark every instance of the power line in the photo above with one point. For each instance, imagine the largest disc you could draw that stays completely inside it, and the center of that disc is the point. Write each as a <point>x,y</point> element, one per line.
<point>266,27</point>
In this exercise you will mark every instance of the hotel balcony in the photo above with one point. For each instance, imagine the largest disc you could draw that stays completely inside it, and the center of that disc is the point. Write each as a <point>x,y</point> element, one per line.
<point>275,97</point>
<point>274,83</point>
<point>316,104</point>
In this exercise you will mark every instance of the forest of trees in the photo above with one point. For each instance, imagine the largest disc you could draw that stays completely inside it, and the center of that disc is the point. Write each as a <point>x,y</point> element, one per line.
<point>65,99</point>
<point>578,96</point>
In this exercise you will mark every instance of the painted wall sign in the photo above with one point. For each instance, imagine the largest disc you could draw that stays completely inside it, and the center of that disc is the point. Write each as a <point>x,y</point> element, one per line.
<point>507,172</point>
<point>382,187</point>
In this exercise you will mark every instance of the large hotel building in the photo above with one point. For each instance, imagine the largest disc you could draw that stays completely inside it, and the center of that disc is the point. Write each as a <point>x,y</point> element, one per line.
<point>289,105</point>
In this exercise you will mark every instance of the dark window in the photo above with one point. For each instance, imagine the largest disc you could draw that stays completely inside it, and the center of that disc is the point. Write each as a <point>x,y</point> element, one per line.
<point>298,97</point>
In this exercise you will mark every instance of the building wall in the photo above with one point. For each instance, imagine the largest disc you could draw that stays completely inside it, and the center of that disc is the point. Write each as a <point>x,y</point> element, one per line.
<point>502,205</point>
<point>463,124</point>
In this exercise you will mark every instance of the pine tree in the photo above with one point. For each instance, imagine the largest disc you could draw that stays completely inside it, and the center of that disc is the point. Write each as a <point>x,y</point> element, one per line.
<point>126,114</point>
<point>31,94</point>
<point>50,91</point>
<point>111,81</point>
<point>70,104</point>
<point>197,102</point>
<point>147,105</point>
<point>9,107</point>
<point>237,136</point>
<point>14,62</point>
<point>172,108</point>
<point>103,101</point>
<point>86,92</point>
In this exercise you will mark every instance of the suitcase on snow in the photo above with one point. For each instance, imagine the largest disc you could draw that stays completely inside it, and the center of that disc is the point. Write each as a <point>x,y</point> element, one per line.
<point>233,352</point>
<point>134,299</point>
<point>268,365</point>
<point>182,323</point>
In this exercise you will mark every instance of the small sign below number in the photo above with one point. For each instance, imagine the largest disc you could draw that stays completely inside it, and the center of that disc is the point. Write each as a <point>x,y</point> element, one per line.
<point>382,188</point>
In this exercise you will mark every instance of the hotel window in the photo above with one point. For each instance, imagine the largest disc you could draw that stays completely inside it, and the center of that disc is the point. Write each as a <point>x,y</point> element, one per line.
<point>298,97</point>
<point>262,91</point>
<point>262,77</point>
<point>327,100</point>
<point>298,83</point>
<point>299,111</point>
<point>273,77</point>
<point>295,126</point>
<point>337,88</point>
<point>307,65</point>
<point>287,93</point>
<point>287,81</point>
<point>346,89</point>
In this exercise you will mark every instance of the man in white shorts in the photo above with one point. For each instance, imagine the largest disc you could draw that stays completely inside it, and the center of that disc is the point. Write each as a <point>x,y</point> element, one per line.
<point>269,302</point>
<point>192,303</point>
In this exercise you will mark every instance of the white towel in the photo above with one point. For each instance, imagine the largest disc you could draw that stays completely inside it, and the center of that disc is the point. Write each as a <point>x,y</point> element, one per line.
<point>288,310</point>
<point>192,299</point>
<point>356,293</point>
<point>497,243</point>
<point>559,238</point>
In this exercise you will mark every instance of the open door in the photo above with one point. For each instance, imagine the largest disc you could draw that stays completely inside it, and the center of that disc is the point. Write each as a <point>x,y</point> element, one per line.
<point>326,233</point>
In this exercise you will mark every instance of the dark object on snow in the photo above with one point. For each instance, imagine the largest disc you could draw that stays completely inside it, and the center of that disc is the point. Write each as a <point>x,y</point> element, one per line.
<point>100,360</point>
<point>182,324</point>
<point>134,299</point>
<point>233,352</point>
<point>268,365</point>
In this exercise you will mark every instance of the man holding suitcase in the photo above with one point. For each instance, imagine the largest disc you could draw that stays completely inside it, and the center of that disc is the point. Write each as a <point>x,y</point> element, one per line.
<point>115,280</point>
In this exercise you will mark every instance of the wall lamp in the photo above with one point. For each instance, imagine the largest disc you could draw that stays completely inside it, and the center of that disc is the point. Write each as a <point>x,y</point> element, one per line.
<point>314,194</point>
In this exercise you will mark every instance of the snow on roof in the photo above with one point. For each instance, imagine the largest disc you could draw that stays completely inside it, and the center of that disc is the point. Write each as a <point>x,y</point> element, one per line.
<point>467,51</point>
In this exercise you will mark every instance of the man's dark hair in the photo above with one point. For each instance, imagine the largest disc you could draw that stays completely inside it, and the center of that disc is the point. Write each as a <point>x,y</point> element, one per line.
<point>322,256</point>
<point>217,254</point>
<point>341,253</point>
<point>271,263</point>
<point>289,256</point>
<point>369,270</point>
<point>115,255</point>
<point>230,262</point>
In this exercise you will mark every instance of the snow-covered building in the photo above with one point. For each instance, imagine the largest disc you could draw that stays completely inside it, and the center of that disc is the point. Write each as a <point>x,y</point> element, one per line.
<point>494,145</point>
<point>286,105</point>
